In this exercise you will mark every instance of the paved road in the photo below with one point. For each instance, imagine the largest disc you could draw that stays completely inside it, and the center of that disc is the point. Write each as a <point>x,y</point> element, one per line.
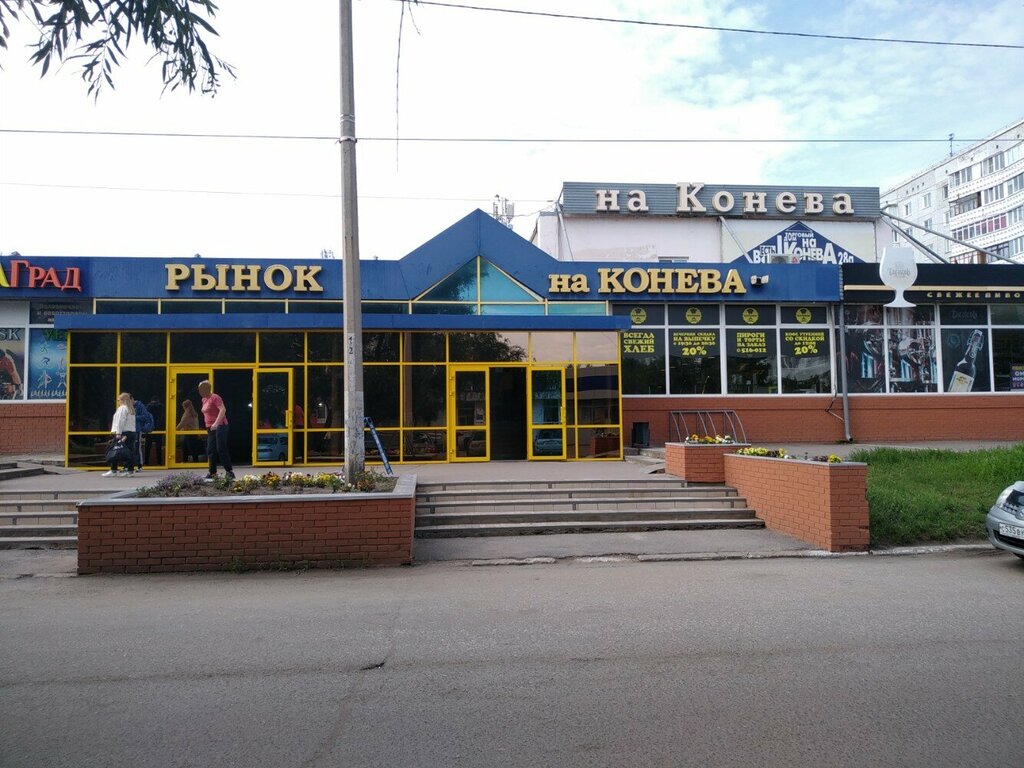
<point>860,661</point>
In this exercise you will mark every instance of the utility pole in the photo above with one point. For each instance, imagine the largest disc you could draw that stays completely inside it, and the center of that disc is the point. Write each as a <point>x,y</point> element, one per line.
<point>352,319</point>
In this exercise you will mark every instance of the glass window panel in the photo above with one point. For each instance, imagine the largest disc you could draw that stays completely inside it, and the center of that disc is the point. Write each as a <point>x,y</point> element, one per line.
<point>751,365</point>
<point>190,307</point>
<point>47,367</point>
<point>511,309</point>
<point>806,360</point>
<point>865,359</point>
<point>92,399</point>
<point>919,315</point>
<point>695,358</point>
<point>597,394</point>
<point>425,347</point>
<point>281,347</point>
<point>126,307</point>
<point>254,307</point>
<point>390,441</point>
<point>325,347</point>
<point>314,307</point>
<point>641,314</point>
<point>87,450</point>
<point>381,385</point>
<point>426,396</point>
<point>552,346</point>
<point>143,347</point>
<point>148,385</point>
<point>89,347</point>
<point>1008,359</point>
<point>963,314</point>
<point>491,347</point>
<point>326,396</point>
<point>693,314</point>
<point>425,445</point>
<point>965,360</point>
<point>643,362</point>
<point>380,347</point>
<point>750,314</point>
<point>912,360</point>
<point>597,345</point>
<point>577,308</point>
<point>495,285</point>
<point>1008,314</point>
<point>426,308</point>
<point>599,443</point>
<point>862,314</point>
<point>213,347</point>
<point>325,447</point>
<point>803,315</point>
<point>459,286</point>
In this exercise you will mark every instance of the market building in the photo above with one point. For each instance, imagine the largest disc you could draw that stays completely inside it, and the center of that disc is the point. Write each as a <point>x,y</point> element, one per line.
<point>638,313</point>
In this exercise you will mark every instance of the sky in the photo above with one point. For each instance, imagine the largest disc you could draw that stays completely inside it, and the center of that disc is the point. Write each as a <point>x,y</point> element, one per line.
<point>470,74</point>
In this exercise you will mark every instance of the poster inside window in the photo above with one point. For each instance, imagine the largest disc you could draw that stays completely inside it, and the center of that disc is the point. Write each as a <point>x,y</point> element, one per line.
<point>47,364</point>
<point>12,363</point>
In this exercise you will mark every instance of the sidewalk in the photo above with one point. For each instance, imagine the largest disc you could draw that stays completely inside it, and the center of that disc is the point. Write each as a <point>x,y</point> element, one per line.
<point>703,544</point>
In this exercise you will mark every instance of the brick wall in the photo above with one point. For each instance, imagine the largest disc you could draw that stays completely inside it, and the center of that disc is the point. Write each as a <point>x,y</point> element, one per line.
<point>698,463</point>
<point>128,535</point>
<point>824,504</point>
<point>810,419</point>
<point>31,428</point>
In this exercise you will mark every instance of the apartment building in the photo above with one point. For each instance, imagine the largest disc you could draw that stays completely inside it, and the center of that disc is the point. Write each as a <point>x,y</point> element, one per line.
<point>975,196</point>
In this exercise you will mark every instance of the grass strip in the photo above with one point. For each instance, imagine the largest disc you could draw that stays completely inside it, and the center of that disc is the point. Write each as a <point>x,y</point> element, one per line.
<point>917,496</point>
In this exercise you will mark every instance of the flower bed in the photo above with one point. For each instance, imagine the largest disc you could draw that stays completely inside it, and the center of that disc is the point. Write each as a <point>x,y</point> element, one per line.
<point>269,483</point>
<point>699,461</point>
<point>246,525</point>
<point>822,502</point>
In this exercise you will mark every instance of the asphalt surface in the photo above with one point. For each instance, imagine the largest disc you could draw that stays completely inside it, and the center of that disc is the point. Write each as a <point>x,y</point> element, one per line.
<point>855,661</point>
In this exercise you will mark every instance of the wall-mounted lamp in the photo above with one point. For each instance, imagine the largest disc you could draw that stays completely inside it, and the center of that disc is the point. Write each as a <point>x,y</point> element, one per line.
<point>759,279</point>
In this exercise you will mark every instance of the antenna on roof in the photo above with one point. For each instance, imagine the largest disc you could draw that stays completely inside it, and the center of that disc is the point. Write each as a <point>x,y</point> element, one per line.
<point>503,210</point>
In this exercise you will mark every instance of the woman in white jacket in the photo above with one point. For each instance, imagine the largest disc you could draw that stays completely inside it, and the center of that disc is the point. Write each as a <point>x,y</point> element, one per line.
<point>123,428</point>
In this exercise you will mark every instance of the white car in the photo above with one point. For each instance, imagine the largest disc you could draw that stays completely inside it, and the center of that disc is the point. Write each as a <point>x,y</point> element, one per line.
<point>1005,520</point>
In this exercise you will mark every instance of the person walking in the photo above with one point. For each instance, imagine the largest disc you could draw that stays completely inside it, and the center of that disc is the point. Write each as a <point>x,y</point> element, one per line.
<point>215,416</point>
<point>123,429</point>
<point>143,426</point>
<point>190,445</point>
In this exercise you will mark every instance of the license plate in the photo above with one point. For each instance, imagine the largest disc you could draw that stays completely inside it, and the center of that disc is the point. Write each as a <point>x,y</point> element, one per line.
<point>1013,531</point>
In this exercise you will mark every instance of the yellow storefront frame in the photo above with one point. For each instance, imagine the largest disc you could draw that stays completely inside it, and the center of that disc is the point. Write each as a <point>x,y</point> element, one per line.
<point>182,383</point>
<point>469,394</point>
<point>546,440</point>
<point>274,445</point>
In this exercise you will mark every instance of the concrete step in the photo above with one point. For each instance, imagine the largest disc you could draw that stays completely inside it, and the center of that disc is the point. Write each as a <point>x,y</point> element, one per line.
<point>523,529</point>
<point>70,495</point>
<point>13,471</point>
<point>573,516</point>
<point>42,506</point>
<point>44,529</point>
<point>594,484</point>
<point>33,518</point>
<point>575,492</point>
<point>39,542</point>
<point>594,504</point>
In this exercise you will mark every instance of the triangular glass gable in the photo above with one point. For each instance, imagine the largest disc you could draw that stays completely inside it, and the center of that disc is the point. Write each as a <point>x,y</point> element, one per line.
<point>796,243</point>
<point>495,285</point>
<point>458,286</point>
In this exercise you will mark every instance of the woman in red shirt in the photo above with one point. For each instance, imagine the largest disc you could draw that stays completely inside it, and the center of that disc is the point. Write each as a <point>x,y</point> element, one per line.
<point>215,415</point>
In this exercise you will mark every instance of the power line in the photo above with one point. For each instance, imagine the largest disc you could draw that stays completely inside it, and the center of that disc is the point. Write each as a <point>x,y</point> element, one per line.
<point>481,139</point>
<point>710,28</point>
<point>481,199</point>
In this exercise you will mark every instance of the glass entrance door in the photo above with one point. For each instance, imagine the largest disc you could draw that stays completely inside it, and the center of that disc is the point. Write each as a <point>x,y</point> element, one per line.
<point>186,432</point>
<point>469,393</point>
<point>547,413</point>
<point>272,405</point>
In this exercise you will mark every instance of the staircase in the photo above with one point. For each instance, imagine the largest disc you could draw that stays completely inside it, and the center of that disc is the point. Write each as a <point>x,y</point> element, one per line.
<point>40,519</point>
<point>513,508</point>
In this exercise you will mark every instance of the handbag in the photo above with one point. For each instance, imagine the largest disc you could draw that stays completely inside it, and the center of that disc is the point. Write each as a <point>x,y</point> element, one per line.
<point>117,452</point>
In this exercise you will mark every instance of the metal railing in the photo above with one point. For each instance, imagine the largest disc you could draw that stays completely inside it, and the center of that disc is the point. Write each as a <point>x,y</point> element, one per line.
<point>706,423</point>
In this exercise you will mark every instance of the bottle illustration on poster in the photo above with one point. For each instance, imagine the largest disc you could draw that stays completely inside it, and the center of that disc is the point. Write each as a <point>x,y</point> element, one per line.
<point>966,370</point>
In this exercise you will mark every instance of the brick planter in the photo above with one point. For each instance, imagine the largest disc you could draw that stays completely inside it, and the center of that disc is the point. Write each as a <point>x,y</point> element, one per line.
<point>824,504</point>
<point>125,534</point>
<point>698,462</point>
